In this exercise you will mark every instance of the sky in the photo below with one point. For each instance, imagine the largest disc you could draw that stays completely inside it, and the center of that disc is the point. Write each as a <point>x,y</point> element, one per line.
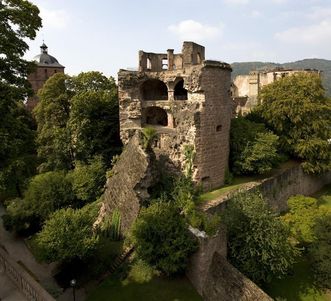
<point>106,35</point>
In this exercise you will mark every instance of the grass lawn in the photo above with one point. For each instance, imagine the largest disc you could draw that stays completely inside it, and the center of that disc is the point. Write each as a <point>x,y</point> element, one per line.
<point>158,289</point>
<point>298,287</point>
<point>239,181</point>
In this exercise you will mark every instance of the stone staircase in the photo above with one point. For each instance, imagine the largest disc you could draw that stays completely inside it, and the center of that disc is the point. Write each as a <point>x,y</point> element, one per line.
<point>117,263</point>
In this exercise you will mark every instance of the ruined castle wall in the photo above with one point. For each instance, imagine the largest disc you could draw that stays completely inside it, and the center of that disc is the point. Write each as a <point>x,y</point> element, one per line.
<point>242,84</point>
<point>200,261</point>
<point>127,187</point>
<point>276,190</point>
<point>212,139</point>
<point>224,282</point>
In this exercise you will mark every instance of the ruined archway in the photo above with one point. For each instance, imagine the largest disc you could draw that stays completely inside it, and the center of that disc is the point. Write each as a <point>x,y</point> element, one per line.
<point>155,116</point>
<point>180,93</point>
<point>154,89</point>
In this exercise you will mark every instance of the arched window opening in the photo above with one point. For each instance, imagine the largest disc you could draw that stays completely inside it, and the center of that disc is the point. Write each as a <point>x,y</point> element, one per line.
<point>155,116</point>
<point>164,64</point>
<point>180,91</point>
<point>149,64</point>
<point>154,89</point>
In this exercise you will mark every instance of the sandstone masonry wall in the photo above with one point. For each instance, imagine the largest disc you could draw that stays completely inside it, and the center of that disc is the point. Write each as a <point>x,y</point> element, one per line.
<point>126,189</point>
<point>276,190</point>
<point>224,282</point>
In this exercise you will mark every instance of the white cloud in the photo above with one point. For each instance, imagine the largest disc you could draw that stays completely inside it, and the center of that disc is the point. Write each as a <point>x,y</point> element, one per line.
<point>57,19</point>
<point>193,30</point>
<point>316,33</point>
<point>320,13</point>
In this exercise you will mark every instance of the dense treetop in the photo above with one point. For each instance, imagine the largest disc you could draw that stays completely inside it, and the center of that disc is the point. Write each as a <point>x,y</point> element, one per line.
<point>296,109</point>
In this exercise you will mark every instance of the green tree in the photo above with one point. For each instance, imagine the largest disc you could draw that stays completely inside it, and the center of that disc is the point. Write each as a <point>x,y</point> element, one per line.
<point>259,156</point>
<point>297,110</point>
<point>17,151</point>
<point>301,218</point>
<point>258,241</point>
<point>69,234</point>
<point>88,180</point>
<point>53,135</point>
<point>320,251</point>
<point>77,119</point>
<point>94,116</point>
<point>161,238</point>
<point>253,149</point>
<point>19,21</point>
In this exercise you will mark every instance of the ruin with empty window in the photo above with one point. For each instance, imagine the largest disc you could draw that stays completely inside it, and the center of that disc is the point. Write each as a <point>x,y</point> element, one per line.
<point>187,100</point>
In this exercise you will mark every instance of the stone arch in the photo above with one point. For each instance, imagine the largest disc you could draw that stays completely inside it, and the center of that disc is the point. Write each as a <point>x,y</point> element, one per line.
<point>155,116</point>
<point>180,93</point>
<point>154,89</point>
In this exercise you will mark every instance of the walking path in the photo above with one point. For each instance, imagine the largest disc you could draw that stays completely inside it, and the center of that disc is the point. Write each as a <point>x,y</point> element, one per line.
<point>8,291</point>
<point>18,251</point>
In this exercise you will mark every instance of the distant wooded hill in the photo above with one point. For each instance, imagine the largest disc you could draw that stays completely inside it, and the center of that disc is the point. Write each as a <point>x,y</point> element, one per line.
<point>319,64</point>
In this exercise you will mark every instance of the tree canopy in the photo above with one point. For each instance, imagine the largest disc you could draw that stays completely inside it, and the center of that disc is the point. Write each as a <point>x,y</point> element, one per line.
<point>161,238</point>
<point>68,234</point>
<point>258,241</point>
<point>19,22</point>
<point>297,110</point>
<point>77,119</point>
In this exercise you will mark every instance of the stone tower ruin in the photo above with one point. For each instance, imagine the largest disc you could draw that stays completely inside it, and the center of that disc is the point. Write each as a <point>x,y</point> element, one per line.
<point>187,100</point>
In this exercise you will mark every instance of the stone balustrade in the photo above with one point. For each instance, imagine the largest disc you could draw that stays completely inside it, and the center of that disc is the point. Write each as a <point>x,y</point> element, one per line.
<point>25,283</point>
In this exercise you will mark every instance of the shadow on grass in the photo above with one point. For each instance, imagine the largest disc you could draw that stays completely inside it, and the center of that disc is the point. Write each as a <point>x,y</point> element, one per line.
<point>91,268</point>
<point>299,286</point>
<point>118,287</point>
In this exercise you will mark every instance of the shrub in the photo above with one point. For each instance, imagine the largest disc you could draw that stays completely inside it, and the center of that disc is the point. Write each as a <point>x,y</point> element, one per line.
<point>49,192</point>
<point>20,219</point>
<point>161,238</point>
<point>253,149</point>
<point>320,251</point>
<point>259,156</point>
<point>141,272</point>
<point>68,234</point>
<point>258,241</point>
<point>88,180</point>
<point>301,218</point>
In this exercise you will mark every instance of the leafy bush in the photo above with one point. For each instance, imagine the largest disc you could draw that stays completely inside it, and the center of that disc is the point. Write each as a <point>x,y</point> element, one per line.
<point>258,241</point>
<point>253,149</point>
<point>88,180</point>
<point>49,192</point>
<point>320,251</point>
<point>161,238</point>
<point>68,234</point>
<point>301,218</point>
<point>20,219</point>
<point>45,194</point>
<point>259,156</point>
<point>141,272</point>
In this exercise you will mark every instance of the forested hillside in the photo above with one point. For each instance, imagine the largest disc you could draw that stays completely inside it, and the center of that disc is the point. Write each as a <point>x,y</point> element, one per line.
<point>319,64</point>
